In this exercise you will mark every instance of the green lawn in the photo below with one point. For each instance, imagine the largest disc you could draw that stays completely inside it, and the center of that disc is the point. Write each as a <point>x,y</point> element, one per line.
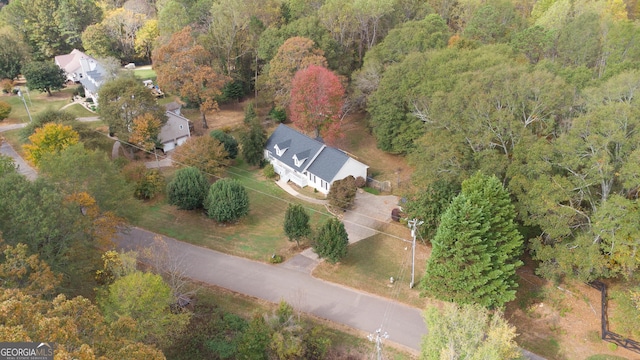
<point>257,236</point>
<point>78,110</point>
<point>370,263</point>
<point>36,102</point>
<point>145,74</point>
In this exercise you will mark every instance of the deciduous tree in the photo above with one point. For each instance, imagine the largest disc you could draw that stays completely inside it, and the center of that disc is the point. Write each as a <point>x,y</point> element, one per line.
<point>43,76</point>
<point>203,152</point>
<point>331,241</point>
<point>13,53</point>
<point>296,223</point>
<point>317,97</point>
<point>188,189</point>
<point>50,139</point>
<point>227,201</point>
<point>145,298</point>
<point>74,170</point>
<point>145,130</point>
<point>342,193</point>
<point>184,67</point>
<point>5,110</point>
<point>295,54</point>
<point>467,332</point>
<point>124,99</point>
<point>429,204</point>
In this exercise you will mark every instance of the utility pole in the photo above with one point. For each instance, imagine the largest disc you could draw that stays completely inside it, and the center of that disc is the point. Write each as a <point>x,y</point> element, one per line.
<point>25,105</point>
<point>379,337</point>
<point>413,224</point>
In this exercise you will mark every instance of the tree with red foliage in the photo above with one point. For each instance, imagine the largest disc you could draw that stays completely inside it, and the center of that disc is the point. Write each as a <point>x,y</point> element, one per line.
<point>317,96</point>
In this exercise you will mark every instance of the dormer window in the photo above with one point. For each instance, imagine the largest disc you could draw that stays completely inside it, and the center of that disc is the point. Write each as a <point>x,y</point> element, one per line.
<point>279,151</point>
<point>297,161</point>
<point>300,157</point>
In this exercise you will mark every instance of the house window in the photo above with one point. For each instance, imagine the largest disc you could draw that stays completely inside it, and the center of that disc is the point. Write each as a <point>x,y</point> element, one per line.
<point>279,151</point>
<point>297,161</point>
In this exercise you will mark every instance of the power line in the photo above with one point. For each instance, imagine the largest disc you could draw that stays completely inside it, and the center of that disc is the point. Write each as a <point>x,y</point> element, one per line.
<point>267,194</point>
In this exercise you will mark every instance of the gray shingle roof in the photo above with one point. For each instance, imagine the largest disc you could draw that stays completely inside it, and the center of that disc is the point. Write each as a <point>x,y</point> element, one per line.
<point>328,163</point>
<point>322,161</point>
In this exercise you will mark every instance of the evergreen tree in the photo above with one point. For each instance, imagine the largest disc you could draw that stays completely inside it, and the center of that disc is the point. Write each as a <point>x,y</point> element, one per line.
<point>253,141</point>
<point>188,189</point>
<point>476,248</point>
<point>331,241</point>
<point>227,201</point>
<point>230,143</point>
<point>296,223</point>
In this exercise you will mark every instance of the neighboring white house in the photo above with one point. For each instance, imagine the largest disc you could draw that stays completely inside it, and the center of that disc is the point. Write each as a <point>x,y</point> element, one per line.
<point>94,76</point>
<point>70,63</point>
<point>82,68</point>
<point>308,162</point>
<point>175,132</point>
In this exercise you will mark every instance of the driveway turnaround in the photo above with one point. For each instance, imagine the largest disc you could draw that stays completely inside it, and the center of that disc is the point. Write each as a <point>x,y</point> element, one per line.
<point>339,304</point>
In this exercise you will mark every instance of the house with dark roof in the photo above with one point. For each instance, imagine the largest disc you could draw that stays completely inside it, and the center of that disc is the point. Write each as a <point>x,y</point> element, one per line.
<point>309,162</point>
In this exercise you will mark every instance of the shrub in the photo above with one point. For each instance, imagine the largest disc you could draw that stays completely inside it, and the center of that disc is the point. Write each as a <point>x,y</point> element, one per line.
<point>331,241</point>
<point>269,172</point>
<point>148,182</point>
<point>188,189</point>
<point>343,193</point>
<point>275,259</point>
<point>5,110</point>
<point>227,201</point>
<point>360,182</point>
<point>6,85</point>
<point>278,114</point>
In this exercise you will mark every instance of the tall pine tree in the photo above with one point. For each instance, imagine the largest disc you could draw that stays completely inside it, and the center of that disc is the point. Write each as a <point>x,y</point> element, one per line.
<point>477,247</point>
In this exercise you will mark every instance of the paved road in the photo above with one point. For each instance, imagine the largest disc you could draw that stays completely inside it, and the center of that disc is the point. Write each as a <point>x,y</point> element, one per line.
<point>23,167</point>
<point>343,305</point>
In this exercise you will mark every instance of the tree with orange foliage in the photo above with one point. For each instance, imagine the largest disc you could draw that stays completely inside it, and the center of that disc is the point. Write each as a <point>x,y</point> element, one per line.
<point>317,97</point>
<point>203,152</point>
<point>103,225</point>
<point>184,67</point>
<point>295,54</point>
<point>145,131</point>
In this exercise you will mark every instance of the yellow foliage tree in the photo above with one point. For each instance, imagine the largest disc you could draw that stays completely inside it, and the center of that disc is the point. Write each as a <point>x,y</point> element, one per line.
<point>145,131</point>
<point>49,139</point>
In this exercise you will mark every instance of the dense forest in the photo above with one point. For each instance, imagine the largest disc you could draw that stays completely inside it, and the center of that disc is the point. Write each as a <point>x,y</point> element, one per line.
<point>539,95</point>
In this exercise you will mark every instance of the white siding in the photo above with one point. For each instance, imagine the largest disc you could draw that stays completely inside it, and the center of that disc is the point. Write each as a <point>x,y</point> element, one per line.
<point>352,167</point>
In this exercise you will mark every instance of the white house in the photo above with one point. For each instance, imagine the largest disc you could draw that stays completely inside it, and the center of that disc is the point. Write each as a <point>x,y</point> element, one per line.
<point>70,63</point>
<point>175,132</point>
<point>308,162</point>
<point>82,68</point>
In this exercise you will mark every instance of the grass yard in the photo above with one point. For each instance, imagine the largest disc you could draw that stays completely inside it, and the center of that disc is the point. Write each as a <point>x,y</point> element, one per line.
<point>78,110</point>
<point>256,236</point>
<point>370,263</point>
<point>36,102</point>
<point>145,73</point>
